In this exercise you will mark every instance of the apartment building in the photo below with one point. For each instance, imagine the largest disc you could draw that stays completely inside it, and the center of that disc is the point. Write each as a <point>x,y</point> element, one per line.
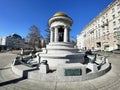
<point>103,32</point>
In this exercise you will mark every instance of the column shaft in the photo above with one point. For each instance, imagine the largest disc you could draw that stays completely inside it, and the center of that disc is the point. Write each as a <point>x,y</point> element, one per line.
<point>51,35</point>
<point>65,35</point>
<point>56,35</point>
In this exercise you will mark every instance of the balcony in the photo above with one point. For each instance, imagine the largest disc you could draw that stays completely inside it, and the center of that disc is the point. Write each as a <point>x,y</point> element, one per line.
<point>104,24</point>
<point>116,30</point>
<point>105,42</point>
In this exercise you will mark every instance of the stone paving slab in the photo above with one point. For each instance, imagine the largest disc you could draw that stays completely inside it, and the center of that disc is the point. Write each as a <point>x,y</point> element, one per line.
<point>105,81</point>
<point>75,86</point>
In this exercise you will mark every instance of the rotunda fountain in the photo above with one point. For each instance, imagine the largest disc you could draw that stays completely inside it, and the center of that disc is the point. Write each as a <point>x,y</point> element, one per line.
<point>60,61</point>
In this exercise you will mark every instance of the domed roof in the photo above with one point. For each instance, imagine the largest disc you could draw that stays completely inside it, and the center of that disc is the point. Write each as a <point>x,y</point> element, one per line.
<point>60,14</point>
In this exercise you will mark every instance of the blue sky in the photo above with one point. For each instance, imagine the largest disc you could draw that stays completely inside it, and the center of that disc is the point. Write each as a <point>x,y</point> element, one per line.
<point>16,16</point>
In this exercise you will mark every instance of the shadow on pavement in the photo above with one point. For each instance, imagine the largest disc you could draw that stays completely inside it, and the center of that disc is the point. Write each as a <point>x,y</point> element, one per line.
<point>11,81</point>
<point>24,76</point>
<point>5,68</point>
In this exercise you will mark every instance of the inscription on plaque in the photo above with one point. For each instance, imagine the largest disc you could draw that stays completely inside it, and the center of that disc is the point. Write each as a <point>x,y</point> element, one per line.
<point>73,72</point>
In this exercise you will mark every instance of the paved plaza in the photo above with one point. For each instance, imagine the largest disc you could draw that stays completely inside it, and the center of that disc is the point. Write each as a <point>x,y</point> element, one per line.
<point>10,81</point>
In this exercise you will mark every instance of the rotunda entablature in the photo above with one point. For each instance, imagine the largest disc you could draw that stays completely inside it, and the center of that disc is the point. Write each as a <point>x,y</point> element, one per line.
<point>60,19</point>
<point>59,24</point>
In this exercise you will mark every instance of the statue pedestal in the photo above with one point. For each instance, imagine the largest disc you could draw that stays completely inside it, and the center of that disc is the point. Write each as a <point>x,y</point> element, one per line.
<point>92,67</point>
<point>44,68</point>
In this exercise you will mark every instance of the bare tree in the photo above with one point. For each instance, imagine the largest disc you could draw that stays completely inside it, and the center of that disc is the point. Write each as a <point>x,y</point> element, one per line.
<point>47,38</point>
<point>34,36</point>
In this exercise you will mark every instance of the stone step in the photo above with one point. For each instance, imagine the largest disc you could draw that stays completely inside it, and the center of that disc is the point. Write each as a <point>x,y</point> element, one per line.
<point>61,44</point>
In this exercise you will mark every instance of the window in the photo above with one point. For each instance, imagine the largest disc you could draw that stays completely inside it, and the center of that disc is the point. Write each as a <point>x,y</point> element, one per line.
<point>113,10</point>
<point>114,29</point>
<point>113,16</point>
<point>118,13</point>
<point>98,25</point>
<point>96,33</point>
<point>118,21</point>
<point>103,17</point>
<point>114,23</point>
<point>106,20</point>
<point>103,22</point>
<point>118,6</point>
<point>99,33</point>
<point>106,14</point>
<point>119,28</point>
<point>98,44</point>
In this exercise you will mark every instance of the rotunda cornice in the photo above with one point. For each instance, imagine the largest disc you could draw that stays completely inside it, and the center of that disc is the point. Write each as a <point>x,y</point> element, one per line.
<point>60,18</point>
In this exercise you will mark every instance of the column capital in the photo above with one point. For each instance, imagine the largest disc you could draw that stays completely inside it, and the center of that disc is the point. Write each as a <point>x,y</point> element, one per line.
<point>51,28</point>
<point>66,26</point>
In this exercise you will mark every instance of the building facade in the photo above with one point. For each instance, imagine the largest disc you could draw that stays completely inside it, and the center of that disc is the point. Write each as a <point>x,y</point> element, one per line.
<point>80,41</point>
<point>13,41</point>
<point>103,32</point>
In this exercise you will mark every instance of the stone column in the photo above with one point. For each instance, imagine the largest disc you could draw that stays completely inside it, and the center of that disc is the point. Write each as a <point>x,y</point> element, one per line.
<point>56,34</point>
<point>51,35</point>
<point>68,35</point>
<point>65,34</point>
